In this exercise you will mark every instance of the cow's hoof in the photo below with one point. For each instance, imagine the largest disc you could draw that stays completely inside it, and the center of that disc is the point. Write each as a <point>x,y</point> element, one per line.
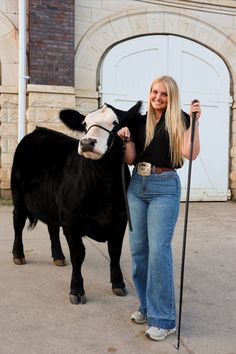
<point>120,291</point>
<point>76,300</point>
<point>60,262</point>
<point>19,260</point>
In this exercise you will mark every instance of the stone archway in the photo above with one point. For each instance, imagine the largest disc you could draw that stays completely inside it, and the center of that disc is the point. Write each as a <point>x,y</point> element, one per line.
<point>111,30</point>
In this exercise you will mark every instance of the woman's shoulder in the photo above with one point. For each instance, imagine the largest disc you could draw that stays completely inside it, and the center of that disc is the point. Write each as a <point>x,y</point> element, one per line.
<point>137,123</point>
<point>186,118</point>
<point>142,117</point>
<point>139,119</point>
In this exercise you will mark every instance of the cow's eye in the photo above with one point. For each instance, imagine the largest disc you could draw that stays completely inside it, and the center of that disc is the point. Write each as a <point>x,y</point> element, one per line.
<point>115,122</point>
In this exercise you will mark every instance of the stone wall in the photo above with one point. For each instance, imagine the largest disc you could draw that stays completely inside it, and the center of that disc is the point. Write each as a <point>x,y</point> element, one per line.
<point>8,134</point>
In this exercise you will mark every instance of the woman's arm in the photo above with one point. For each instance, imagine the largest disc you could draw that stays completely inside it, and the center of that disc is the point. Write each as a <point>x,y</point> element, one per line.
<point>194,108</point>
<point>130,151</point>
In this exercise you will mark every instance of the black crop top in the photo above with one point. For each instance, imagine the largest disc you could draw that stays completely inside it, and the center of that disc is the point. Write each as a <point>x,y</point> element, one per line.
<point>158,151</point>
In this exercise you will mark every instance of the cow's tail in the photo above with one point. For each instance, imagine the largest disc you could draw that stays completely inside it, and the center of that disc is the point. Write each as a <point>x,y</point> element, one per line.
<point>32,223</point>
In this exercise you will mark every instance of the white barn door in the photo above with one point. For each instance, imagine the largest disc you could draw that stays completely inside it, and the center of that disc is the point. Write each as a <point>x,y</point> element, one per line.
<point>127,72</point>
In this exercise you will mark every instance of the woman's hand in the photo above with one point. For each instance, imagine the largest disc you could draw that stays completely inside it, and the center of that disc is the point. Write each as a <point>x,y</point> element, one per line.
<point>124,134</point>
<point>130,151</point>
<point>195,108</point>
<point>186,148</point>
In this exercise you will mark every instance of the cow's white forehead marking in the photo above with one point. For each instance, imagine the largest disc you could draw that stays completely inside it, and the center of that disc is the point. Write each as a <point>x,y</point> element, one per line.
<point>103,116</point>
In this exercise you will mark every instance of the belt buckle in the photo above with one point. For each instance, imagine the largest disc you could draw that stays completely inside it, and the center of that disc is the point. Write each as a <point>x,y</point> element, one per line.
<point>144,168</point>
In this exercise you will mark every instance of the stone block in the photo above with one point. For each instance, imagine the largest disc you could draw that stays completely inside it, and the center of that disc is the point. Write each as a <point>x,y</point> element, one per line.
<point>6,159</point>
<point>101,36</point>
<point>9,129</point>
<point>12,115</point>
<point>87,56</point>
<point>233,126</point>
<point>12,144</point>
<point>138,22</point>
<point>154,20</point>
<point>187,24</point>
<point>3,115</point>
<point>233,151</point>
<point>85,105</point>
<point>232,176</point>
<point>4,143</point>
<point>171,22</point>
<point>86,80</point>
<point>9,74</point>
<point>9,47</point>
<point>121,27</point>
<point>233,193</point>
<point>43,115</point>
<point>48,99</point>
<point>9,100</point>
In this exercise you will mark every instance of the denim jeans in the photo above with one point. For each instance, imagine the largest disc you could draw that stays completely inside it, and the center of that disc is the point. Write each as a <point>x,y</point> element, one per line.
<point>154,207</point>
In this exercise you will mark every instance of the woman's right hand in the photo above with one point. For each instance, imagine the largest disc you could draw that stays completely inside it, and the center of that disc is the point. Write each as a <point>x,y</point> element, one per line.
<point>124,134</point>
<point>130,151</point>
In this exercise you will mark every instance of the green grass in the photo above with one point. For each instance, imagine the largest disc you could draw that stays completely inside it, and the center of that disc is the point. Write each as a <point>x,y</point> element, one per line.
<point>5,201</point>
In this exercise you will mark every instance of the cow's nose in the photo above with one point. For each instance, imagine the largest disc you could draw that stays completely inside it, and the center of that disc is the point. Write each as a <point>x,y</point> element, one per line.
<point>87,144</point>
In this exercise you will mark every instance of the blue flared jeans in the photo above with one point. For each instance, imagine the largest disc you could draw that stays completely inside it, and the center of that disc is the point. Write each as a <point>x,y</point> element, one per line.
<point>154,207</point>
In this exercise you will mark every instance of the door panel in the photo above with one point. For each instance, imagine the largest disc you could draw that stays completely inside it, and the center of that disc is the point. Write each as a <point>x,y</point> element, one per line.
<point>129,68</point>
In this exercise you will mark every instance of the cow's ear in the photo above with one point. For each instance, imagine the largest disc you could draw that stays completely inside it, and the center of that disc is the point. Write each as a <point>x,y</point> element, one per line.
<point>72,119</point>
<point>134,110</point>
<point>130,115</point>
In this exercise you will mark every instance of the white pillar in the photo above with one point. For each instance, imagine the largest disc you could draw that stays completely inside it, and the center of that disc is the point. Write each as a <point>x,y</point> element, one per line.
<point>22,70</point>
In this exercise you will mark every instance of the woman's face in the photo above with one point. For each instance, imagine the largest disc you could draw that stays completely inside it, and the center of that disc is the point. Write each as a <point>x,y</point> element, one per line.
<point>158,97</point>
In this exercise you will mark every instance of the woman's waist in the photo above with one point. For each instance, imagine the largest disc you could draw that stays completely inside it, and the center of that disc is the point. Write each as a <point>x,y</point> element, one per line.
<point>146,168</point>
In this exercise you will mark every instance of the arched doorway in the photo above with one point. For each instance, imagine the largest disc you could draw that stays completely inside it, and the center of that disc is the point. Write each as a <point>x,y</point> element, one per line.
<point>126,73</point>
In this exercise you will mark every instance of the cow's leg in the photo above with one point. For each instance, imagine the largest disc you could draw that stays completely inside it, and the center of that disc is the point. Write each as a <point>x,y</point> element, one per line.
<point>19,219</point>
<point>77,254</point>
<point>57,253</point>
<point>114,249</point>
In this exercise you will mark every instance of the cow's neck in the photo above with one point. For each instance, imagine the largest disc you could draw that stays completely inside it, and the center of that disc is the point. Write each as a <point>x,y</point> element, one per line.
<point>111,163</point>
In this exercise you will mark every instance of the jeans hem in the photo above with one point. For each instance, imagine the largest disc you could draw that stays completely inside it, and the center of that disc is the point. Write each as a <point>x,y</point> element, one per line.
<point>143,311</point>
<point>161,323</point>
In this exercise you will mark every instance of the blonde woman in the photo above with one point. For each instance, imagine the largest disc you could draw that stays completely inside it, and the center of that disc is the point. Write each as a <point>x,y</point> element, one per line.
<point>157,145</point>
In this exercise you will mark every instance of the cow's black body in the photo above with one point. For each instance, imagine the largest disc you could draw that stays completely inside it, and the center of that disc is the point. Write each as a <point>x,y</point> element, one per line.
<point>51,182</point>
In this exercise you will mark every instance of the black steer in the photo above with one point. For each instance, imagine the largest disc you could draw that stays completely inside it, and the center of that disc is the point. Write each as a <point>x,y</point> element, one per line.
<point>76,185</point>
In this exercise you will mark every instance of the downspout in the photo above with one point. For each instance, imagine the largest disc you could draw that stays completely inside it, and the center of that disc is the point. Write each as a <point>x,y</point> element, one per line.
<point>22,70</point>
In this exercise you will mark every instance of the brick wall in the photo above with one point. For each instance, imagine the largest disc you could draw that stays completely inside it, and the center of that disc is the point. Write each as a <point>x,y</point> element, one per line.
<point>51,42</point>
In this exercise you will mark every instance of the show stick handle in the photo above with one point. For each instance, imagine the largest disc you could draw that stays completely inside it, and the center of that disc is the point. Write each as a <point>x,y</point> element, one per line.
<point>194,114</point>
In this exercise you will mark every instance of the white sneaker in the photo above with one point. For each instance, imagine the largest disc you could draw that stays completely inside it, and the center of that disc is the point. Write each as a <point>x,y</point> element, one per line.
<point>156,333</point>
<point>138,317</point>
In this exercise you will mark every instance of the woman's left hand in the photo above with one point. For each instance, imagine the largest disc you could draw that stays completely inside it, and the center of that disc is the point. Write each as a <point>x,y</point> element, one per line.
<point>195,108</point>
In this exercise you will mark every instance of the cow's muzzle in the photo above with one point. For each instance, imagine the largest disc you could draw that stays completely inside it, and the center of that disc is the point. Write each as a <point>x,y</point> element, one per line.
<point>87,144</point>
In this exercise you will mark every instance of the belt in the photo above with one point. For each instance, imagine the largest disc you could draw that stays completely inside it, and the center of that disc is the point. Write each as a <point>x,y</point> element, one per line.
<point>145,169</point>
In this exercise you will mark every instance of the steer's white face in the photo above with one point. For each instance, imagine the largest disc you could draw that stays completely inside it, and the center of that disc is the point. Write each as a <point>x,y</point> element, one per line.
<point>94,144</point>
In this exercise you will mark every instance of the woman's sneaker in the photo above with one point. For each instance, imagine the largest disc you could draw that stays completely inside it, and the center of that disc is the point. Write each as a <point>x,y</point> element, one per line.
<point>138,317</point>
<point>156,333</point>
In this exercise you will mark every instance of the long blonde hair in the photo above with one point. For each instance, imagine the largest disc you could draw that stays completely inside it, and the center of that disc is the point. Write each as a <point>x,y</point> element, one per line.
<point>174,123</point>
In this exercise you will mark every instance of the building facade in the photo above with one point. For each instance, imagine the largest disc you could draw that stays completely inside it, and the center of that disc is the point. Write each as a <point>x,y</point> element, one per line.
<point>76,49</point>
